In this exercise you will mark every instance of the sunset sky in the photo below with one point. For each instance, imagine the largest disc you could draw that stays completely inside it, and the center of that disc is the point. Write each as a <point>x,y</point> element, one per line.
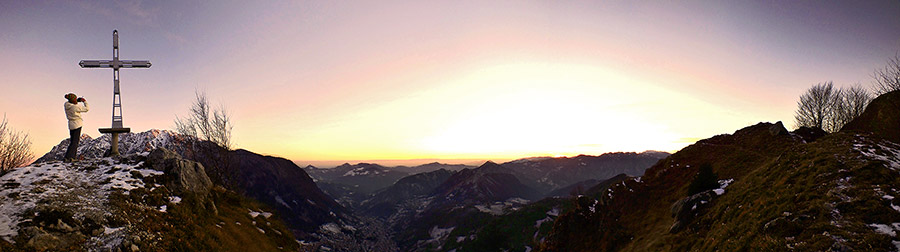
<point>375,80</point>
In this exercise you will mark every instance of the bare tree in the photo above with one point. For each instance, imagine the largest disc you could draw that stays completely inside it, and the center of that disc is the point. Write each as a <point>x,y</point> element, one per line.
<point>214,126</point>
<point>15,147</point>
<point>887,79</point>
<point>827,108</point>
<point>209,136</point>
<point>816,105</point>
<point>852,102</point>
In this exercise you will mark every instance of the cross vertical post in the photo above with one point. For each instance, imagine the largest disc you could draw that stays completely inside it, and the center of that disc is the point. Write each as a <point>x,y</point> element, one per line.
<point>117,98</point>
<point>115,64</point>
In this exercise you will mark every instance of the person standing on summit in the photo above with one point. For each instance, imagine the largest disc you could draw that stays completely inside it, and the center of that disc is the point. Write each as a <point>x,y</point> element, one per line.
<point>73,113</point>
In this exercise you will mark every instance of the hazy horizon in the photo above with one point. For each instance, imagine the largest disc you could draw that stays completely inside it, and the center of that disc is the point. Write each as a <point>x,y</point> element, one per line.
<point>421,161</point>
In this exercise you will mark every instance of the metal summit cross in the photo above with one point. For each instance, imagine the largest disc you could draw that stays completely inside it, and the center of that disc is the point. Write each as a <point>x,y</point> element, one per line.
<point>115,64</point>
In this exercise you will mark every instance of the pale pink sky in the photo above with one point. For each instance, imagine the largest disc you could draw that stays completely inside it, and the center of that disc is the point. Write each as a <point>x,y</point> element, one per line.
<point>329,80</point>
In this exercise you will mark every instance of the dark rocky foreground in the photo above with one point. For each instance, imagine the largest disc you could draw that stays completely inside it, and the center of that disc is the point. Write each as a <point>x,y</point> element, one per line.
<point>157,201</point>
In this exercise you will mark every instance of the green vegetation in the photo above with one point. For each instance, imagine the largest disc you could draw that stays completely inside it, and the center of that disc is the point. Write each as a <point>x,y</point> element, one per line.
<point>195,225</point>
<point>786,195</point>
<point>515,230</point>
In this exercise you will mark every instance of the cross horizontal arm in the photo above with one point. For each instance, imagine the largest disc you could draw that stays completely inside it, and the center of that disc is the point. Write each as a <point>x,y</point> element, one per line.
<point>109,64</point>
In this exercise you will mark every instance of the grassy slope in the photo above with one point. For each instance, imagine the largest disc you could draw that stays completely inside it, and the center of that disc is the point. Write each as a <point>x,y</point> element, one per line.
<point>774,175</point>
<point>188,226</point>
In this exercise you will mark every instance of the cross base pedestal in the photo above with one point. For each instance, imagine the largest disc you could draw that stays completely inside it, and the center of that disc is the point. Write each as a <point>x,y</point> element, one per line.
<point>114,143</point>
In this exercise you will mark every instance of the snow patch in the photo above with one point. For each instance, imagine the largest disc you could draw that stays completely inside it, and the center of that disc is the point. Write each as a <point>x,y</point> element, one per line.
<point>722,184</point>
<point>331,227</point>
<point>553,212</point>
<point>362,171</point>
<point>499,208</point>
<point>108,230</point>
<point>538,223</point>
<point>889,230</point>
<point>885,151</point>
<point>440,233</point>
<point>281,201</point>
<point>86,183</point>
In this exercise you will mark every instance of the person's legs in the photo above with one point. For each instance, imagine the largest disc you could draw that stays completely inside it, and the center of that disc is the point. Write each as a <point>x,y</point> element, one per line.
<point>74,136</point>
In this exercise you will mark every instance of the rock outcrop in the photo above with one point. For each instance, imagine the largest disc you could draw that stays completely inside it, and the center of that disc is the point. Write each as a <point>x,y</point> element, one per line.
<point>809,134</point>
<point>881,118</point>
<point>186,176</point>
<point>139,202</point>
<point>129,143</point>
<point>685,209</point>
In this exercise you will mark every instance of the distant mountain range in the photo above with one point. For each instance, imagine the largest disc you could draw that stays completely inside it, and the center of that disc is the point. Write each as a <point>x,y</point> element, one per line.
<point>352,184</point>
<point>424,209</point>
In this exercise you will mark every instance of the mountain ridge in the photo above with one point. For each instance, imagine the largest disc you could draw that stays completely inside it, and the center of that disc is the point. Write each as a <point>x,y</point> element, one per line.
<point>835,193</point>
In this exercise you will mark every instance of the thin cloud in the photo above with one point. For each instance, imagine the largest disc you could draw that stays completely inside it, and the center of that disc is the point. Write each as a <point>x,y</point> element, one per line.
<point>131,11</point>
<point>171,36</point>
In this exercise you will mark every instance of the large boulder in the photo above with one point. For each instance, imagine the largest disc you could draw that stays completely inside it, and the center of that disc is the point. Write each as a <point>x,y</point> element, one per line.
<point>809,134</point>
<point>685,209</point>
<point>881,118</point>
<point>185,176</point>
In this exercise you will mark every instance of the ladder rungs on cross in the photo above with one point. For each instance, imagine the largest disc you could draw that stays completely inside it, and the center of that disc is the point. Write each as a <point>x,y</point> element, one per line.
<point>115,64</point>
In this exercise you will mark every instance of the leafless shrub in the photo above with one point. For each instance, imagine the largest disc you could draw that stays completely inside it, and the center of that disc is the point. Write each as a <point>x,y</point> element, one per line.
<point>15,147</point>
<point>827,108</point>
<point>852,103</point>
<point>816,105</point>
<point>212,126</point>
<point>209,134</point>
<point>887,79</point>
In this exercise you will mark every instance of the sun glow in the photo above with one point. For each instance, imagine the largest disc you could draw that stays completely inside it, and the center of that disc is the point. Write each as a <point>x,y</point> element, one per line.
<point>542,109</point>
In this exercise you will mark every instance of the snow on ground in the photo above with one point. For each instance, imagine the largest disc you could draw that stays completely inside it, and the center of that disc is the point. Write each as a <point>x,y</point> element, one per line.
<point>889,230</point>
<point>885,151</point>
<point>331,227</point>
<point>537,224</point>
<point>361,171</point>
<point>501,207</point>
<point>493,209</point>
<point>552,213</point>
<point>438,234</point>
<point>83,185</point>
<point>722,184</point>
<point>253,214</point>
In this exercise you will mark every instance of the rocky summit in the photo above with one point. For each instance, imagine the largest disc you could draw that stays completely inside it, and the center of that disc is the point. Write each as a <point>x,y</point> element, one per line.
<point>155,201</point>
